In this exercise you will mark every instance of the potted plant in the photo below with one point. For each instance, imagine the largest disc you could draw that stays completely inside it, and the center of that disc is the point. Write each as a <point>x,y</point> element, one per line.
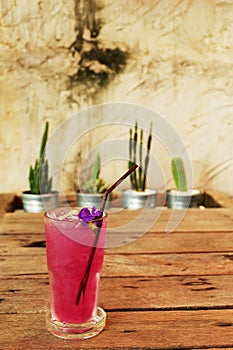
<point>40,195</point>
<point>182,197</point>
<point>139,196</point>
<point>90,192</point>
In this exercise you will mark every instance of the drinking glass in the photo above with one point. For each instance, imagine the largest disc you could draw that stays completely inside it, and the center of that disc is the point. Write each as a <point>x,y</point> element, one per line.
<point>73,275</point>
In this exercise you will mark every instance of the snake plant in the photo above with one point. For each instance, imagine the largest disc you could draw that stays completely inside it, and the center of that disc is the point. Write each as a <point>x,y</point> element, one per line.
<point>138,178</point>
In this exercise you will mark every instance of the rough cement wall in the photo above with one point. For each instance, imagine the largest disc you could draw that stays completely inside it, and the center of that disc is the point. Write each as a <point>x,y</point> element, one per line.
<point>174,57</point>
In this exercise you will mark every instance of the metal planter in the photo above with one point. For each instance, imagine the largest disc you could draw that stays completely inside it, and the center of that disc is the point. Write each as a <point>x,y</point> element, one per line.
<point>90,200</point>
<point>36,203</point>
<point>135,200</point>
<point>193,198</point>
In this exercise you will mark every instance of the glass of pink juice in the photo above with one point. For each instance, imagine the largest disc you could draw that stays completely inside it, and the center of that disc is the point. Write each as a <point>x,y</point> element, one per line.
<point>69,244</point>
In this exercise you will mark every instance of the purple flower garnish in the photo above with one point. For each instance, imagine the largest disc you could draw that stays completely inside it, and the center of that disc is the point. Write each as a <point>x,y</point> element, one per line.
<point>87,216</point>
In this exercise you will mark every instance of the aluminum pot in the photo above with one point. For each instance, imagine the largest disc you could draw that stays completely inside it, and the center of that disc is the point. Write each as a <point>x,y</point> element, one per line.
<point>90,200</point>
<point>192,198</point>
<point>36,203</point>
<point>135,200</point>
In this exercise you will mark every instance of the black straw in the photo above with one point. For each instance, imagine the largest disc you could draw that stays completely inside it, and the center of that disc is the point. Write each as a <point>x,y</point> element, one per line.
<point>83,283</point>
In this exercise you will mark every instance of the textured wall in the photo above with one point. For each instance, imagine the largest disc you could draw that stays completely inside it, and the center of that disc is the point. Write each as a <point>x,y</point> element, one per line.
<point>176,59</point>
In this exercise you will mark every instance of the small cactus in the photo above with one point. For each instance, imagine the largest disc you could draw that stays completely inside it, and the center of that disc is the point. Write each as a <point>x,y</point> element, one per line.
<point>96,184</point>
<point>179,174</point>
<point>39,180</point>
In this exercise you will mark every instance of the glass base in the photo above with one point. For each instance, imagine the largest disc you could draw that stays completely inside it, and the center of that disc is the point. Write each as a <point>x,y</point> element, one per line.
<point>76,331</point>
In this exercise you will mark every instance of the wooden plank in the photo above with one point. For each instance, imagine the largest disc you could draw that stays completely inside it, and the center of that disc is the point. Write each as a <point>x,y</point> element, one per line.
<point>174,292</point>
<point>127,330</point>
<point>149,243</point>
<point>21,265</point>
<point>134,265</point>
<point>176,242</point>
<point>24,294</point>
<point>152,220</point>
<point>22,244</point>
<point>30,294</point>
<point>21,222</point>
<point>163,291</point>
<point>155,220</point>
<point>168,264</point>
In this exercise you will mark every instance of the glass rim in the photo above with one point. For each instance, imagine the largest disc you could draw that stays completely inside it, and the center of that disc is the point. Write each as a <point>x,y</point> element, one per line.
<point>46,214</point>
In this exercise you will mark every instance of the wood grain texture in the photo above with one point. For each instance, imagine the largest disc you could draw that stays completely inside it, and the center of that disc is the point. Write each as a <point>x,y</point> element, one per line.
<point>162,291</point>
<point>128,330</point>
<point>153,242</point>
<point>30,293</point>
<point>194,220</point>
<point>133,265</point>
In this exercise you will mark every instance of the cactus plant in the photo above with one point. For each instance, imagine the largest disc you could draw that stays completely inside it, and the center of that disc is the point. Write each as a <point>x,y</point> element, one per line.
<point>39,180</point>
<point>179,174</point>
<point>138,178</point>
<point>96,184</point>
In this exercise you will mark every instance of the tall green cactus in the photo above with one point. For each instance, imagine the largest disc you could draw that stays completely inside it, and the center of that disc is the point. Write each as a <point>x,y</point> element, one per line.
<point>39,180</point>
<point>138,179</point>
<point>179,174</point>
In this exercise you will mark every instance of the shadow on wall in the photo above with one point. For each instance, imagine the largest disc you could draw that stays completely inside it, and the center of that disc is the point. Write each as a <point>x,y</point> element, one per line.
<point>99,61</point>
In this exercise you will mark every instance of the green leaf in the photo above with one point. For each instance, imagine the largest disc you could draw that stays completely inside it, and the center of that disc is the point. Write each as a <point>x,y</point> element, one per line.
<point>96,170</point>
<point>179,174</point>
<point>44,140</point>
<point>39,174</point>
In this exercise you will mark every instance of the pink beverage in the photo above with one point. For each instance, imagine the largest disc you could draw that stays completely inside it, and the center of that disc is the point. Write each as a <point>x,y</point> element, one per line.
<point>69,244</point>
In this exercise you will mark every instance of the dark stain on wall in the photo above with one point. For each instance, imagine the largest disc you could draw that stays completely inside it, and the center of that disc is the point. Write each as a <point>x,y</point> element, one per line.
<point>86,13</point>
<point>98,63</point>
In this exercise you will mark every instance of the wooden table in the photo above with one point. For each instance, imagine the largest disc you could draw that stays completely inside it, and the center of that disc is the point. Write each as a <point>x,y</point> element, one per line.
<point>162,291</point>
